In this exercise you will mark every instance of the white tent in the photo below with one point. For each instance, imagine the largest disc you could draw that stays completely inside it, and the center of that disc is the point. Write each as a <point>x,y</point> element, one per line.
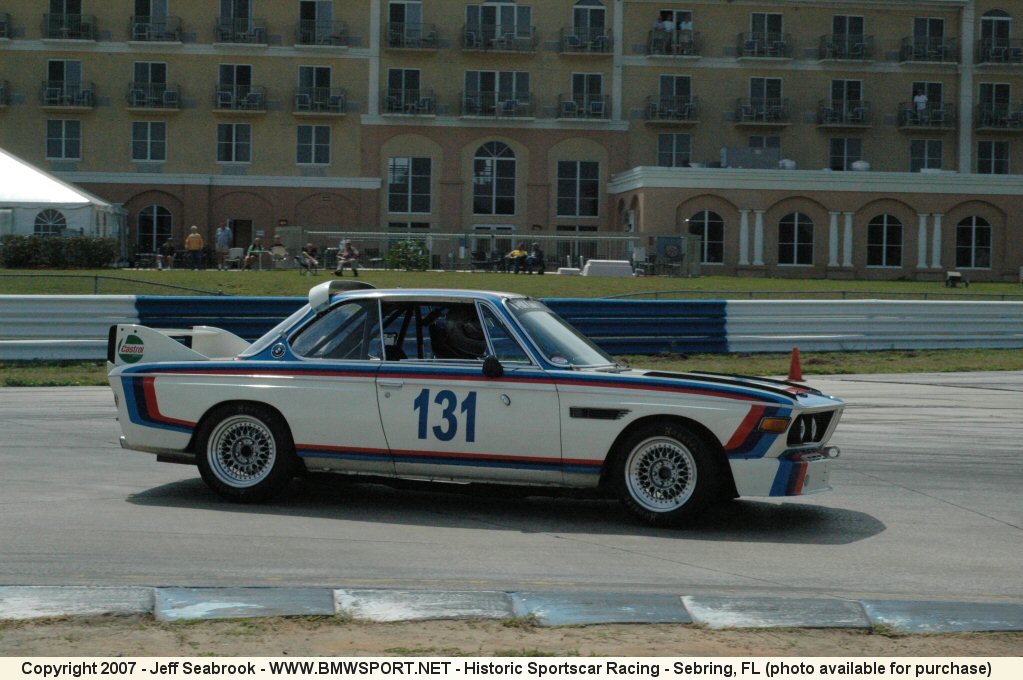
<point>33,201</point>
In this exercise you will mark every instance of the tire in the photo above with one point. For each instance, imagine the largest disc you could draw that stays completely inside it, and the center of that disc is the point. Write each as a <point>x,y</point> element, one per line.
<point>665,473</point>
<point>245,453</point>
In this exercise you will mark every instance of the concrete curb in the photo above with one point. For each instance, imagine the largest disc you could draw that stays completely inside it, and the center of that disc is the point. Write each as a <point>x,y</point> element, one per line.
<point>546,608</point>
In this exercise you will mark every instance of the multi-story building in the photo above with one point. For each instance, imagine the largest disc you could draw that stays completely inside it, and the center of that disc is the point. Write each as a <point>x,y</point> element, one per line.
<point>862,139</point>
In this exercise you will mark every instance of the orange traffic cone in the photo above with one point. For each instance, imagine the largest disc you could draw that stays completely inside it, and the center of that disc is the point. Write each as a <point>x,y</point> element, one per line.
<point>795,369</point>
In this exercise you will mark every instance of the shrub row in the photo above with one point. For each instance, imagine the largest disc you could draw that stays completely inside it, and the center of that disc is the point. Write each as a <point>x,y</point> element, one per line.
<point>59,252</point>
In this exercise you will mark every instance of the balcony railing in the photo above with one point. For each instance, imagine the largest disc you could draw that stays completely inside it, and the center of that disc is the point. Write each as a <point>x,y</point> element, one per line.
<point>317,32</point>
<point>846,46</point>
<point>579,40</point>
<point>321,100</point>
<point>410,102</point>
<point>239,98</point>
<point>246,31</point>
<point>683,43</point>
<point>933,115</point>
<point>402,35</point>
<point>76,94</point>
<point>144,95</point>
<point>672,109</point>
<point>762,111</point>
<point>587,106</point>
<point>497,104</point>
<point>1000,51</point>
<point>843,113</point>
<point>69,26</point>
<point>918,48</point>
<point>1001,116</point>
<point>499,38</point>
<point>155,29</point>
<point>760,44</point>
<point>5,25</point>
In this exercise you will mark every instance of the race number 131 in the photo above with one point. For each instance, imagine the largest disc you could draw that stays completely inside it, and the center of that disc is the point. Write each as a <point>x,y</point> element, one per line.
<point>452,413</point>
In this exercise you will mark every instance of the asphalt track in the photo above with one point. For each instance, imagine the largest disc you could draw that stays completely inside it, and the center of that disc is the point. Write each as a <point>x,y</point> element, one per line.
<point>926,507</point>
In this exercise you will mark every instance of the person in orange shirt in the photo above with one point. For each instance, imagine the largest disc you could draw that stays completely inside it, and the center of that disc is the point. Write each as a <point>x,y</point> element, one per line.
<point>194,243</point>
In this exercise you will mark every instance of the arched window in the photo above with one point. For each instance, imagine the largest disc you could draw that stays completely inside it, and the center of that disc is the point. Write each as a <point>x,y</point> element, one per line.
<point>493,180</point>
<point>710,228</point>
<point>154,227</point>
<point>973,243</point>
<point>795,239</point>
<point>884,242</point>
<point>50,222</point>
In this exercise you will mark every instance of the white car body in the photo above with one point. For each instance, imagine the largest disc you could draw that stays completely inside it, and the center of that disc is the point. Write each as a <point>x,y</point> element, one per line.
<point>540,419</point>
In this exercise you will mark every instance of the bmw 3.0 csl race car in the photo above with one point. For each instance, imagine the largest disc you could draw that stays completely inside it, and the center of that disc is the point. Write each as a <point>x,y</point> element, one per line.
<point>459,386</point>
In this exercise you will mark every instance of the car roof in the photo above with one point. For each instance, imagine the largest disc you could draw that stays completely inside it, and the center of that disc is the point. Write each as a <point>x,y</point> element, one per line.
<point>329,290</point>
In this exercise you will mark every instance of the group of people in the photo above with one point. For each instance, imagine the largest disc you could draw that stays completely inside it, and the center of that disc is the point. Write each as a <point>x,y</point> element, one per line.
<point>520,259</point>
<point>194,245</point>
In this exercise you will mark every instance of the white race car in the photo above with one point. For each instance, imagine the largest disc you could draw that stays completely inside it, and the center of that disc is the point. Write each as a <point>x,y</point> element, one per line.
<point>459,386</point>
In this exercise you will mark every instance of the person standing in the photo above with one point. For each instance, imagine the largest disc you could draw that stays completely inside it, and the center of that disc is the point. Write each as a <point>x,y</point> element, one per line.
<point>348,256</point>
<point>194,244</point>
<point>225,239</point>
<point>920,105</point>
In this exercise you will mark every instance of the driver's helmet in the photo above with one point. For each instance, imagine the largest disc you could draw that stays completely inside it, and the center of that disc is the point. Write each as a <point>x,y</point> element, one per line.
<point>464,334</point>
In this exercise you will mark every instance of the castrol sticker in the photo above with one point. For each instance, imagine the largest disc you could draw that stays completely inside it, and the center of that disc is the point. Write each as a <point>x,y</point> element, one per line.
<point>131,349</point>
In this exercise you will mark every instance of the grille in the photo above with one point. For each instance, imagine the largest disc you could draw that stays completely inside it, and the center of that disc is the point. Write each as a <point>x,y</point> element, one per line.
<point>809,428</point>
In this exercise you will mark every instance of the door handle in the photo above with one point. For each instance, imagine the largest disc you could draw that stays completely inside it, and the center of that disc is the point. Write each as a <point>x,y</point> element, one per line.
<point>391,384</point>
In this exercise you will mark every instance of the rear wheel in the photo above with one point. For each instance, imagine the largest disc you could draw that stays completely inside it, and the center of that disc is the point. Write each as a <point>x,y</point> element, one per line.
<point>665,473</point>
<point>245,453</point>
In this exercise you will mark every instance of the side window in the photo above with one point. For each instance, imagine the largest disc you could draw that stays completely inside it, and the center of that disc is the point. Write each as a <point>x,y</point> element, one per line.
<point>506,347</point>
<point>347,331</point>
<point>455,332</point>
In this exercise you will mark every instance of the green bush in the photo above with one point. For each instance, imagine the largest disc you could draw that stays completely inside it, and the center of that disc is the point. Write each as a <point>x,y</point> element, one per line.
<point>58,252</point>
<point>410,255</point>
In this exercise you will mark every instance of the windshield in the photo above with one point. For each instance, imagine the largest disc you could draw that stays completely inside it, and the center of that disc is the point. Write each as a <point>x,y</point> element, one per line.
<point>559,342</point>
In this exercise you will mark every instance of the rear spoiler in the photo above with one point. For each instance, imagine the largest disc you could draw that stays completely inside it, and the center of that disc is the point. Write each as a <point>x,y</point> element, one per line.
<point>131,343</point>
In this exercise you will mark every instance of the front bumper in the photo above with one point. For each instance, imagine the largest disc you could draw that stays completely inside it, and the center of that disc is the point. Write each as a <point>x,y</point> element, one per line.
<point>794,473</point>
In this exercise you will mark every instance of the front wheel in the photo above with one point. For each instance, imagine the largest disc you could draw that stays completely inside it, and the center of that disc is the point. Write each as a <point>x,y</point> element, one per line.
<point>245,453</point>
<point>665,473</point>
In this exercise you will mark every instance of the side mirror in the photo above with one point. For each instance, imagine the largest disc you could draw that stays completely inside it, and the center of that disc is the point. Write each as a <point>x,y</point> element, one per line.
<point>492,367</point>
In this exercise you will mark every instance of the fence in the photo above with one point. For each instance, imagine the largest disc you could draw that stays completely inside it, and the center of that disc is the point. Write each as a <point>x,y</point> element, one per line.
<point>75,327</point>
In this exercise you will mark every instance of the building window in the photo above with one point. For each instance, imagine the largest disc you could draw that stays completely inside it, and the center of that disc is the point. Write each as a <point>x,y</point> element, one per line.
<point>674,150</point>
<point>493,20</point>
<point>925,153</point>
<point>408,185</point>
<point>402,90</point>
<point>50,222</point>
<point>234,143</point>
<point>795,240</point>
<point>578,188</point>
<point>764,93</point>
<point>313,145</point>
<point>973,243</point>
<point>766,24</point>
<point>993,158</point>
<point>884,242</point>
<point>493,180</point>
<point>765,142</point>
<point>486,90</point>
<point>710,228</point>
<point>155,225</point>
<point>148,141</point>
<point>64,140</point>
<point>844,152</point>
<point>408,226</point>
<point>313,88</point>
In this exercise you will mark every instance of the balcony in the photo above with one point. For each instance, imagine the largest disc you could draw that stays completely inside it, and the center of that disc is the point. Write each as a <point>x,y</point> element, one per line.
<point>5,25</point>
<point>322,33</point>
<point>762,45</point>
<point>1003,51</point>
<point>942,50</point>
<point>69,26</point>
<point>410,102</point>
<point>242,31</point>
<point>584,106</point>
<point>154,96</point>
<point>673,43</point>
<point>936,116</point>
<point>1000,117</point>
<point>836,113</point>
<point>484,38</point>
<point>320,100</point>
<point>68,95</point>
<point>240,98</point>
<point>408,36</point>
<point>155,29</point>
<point>497,105</point>
<point>580,40</point>
<point>672,110</point>
<point>846,47</point>
<point>762,112</point>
